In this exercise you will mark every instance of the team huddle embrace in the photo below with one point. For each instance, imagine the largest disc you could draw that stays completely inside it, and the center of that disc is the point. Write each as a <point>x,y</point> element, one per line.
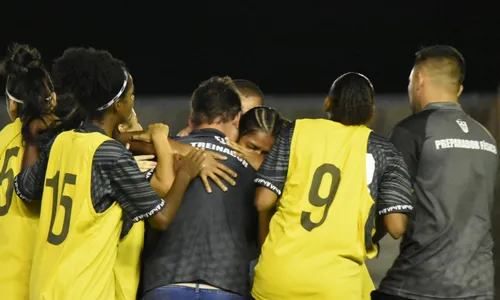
<point>242,203</point>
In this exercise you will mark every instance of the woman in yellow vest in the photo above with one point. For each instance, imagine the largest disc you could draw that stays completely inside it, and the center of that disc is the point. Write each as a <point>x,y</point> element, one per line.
<point>90,186</point>
<point>30,96</point>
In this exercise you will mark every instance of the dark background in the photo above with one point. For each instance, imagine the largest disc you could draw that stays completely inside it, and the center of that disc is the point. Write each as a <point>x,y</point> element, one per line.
<point>293,47</point>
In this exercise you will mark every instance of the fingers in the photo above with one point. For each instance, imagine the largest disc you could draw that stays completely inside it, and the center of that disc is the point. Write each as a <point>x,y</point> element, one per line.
<point>206,184</point>
<point>217,155</point>
<point>143,137</point>
<point>224,176</point>
<point>127,146</point>
<point>217,181</point>
<point>143,157</point>
<point>199,158</point>
<point>234,145</point>
<point>226,170</point>
<point>146,165</point>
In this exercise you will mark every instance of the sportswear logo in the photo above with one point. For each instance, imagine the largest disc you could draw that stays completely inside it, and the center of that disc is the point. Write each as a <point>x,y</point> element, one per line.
<point>463,125</point>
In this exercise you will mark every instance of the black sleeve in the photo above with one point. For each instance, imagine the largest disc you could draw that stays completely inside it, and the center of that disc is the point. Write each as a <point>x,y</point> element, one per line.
<point>129,186</point>
<point>30,182</point>
<point>408,144</point>
<point>394,191</point>
<point>149,174</point>
<point>273,171</point>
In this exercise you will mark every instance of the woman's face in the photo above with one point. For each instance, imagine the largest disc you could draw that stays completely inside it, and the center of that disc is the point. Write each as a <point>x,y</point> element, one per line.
<point>258,141</point>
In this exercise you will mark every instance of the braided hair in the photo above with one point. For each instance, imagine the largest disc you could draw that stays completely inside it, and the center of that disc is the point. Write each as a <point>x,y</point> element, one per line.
<point>264,119</point>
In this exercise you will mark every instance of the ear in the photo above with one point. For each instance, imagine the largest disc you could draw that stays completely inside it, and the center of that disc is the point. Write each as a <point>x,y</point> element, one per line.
<point>236,121</point>
<point>121,128</point>
<point>327,106</point>
<point>420,80</point>
<point>460,90</point>
<point>53,100</point>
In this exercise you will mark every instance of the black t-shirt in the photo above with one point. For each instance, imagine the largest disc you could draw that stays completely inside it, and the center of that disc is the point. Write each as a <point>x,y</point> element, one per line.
<point>211,238</point>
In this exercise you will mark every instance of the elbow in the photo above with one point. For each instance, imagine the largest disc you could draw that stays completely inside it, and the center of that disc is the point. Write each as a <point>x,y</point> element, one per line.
<point>159,222</point>
<point>396,232</point>
<point>395,224</point>
<point>261,205</point>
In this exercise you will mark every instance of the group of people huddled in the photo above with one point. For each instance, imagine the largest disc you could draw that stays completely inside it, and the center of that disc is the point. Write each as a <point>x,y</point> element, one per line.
<point>242,203</point>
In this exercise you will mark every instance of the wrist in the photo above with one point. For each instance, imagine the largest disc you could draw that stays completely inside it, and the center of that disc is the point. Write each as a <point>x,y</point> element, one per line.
<point>184,175</point>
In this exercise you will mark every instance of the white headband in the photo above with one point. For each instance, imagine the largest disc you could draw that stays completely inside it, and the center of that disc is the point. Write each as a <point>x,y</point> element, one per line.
<point>117,95</point>
<point>17,100</point>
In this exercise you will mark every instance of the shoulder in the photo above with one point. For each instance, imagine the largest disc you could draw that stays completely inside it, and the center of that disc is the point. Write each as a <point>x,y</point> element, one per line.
<point>415,122</point>
<point>381,147</point>
<point>111,151</point>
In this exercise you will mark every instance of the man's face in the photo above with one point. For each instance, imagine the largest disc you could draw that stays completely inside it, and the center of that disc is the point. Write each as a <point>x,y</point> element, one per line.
<point>249,102</point>
<point>413,91</point>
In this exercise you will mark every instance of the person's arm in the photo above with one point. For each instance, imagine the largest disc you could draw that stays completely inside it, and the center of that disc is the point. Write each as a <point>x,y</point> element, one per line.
<point>136,196</point>
<point>271,179</point>
<point>395,197</point>
<point>163,177</point>
<point>29,183</point>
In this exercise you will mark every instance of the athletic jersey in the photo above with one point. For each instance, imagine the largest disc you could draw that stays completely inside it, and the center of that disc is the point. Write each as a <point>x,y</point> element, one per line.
<point>18,221</point>
<point>76,247</point>
<point>321,233</point>
<point>128,263</point>
<point>447,249</point>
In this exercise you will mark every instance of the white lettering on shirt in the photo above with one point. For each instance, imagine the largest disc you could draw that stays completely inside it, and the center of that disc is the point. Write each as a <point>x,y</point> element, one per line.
<point>219,148</point>
<point>465,144</point>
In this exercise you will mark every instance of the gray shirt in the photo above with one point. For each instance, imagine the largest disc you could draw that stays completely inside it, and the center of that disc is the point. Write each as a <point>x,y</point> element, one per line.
<point>446,252</point>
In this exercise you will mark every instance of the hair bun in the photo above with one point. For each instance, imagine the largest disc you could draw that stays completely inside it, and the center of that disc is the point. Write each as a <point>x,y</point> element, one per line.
<point>20,59</point>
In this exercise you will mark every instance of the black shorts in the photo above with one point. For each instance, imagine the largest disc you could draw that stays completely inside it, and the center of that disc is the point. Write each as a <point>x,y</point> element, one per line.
<point>376,295</point>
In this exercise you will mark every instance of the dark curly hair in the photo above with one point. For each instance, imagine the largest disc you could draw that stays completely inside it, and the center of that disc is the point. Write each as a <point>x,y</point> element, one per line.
<point>263,119</point>
<point>93,77</point>
<point>351,100</point>
<point>28,84</point>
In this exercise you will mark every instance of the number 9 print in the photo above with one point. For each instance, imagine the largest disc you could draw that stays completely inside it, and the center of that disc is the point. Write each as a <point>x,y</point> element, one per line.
<point>316,200</point>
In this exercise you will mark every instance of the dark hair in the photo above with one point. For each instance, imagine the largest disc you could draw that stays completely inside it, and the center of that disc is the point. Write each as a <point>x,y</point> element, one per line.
<point>448,58</point>
<point>263,119</point>
<point>351,99</point>
<point>215,98</point>
<point>93,77</point>
<point>28,84</point>
<point>248,88</point>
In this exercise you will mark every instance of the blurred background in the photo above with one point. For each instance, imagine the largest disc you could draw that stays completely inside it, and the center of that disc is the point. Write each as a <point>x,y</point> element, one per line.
<point>292,50</point>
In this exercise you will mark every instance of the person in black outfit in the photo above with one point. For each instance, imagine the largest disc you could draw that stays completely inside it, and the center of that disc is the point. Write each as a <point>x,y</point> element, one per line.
<point>205,254</point>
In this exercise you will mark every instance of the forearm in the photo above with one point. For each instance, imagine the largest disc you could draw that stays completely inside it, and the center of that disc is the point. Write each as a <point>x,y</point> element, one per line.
<point>173,198</point>
<point>264,220</point>
<point>180,148</point>
<point>164,173</point>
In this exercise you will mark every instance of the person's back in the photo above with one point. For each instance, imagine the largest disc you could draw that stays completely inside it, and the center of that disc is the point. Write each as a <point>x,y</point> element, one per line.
<point>28,93</point>
<point>207,242</point>
<point>336,179</point>
<point>449,239</point>
<point>324,205</point>
<point>446,252</point>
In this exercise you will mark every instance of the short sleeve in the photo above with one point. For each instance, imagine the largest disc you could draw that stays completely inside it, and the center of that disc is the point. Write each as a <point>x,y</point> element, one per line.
<point>29,184</point>
<point>149,174</point>
<point>395,192</point>
<point>132,190</point>
<point>273,171</point>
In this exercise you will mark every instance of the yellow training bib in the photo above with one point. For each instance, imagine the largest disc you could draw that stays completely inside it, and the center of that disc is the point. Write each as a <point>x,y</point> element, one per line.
<point>18,220</point>
<point>128,263</point>
<point>316,244</point>
<point>76,247</point>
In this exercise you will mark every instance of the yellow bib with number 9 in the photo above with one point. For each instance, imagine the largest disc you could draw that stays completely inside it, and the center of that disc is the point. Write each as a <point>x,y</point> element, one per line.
<point>316,244</point>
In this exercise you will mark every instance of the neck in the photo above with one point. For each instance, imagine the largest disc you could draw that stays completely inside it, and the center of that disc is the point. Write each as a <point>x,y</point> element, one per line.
<point>439,97</point>
<point>218,126</point>
<point>229,131</point>
<point>108,124</point>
